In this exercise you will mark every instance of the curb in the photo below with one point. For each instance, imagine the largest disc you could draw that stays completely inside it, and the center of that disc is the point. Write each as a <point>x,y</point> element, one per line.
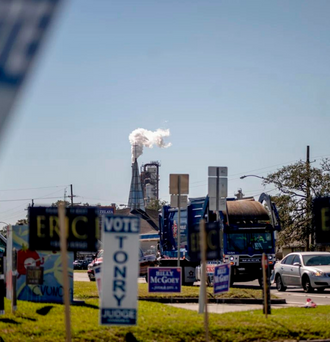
<point>212,300</point>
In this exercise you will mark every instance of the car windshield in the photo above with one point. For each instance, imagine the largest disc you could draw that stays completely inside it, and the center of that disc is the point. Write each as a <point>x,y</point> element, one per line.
<point>316,260</point>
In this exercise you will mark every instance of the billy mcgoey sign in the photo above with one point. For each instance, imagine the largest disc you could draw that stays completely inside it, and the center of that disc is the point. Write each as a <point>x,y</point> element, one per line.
<point>120,240</point>
<point>82,227</point>
<point>164,279</point>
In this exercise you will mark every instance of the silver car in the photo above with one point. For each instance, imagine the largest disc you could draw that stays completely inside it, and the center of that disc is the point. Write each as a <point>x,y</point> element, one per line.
<point>309,270</point>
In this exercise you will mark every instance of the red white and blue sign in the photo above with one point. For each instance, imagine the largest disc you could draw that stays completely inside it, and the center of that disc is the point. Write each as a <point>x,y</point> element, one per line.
<point>164,279</point>
<point>221,279</point>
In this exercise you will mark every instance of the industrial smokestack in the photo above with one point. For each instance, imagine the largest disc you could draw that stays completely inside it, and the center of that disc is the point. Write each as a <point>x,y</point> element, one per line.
<point>136,200</point>
<point>139,138</point>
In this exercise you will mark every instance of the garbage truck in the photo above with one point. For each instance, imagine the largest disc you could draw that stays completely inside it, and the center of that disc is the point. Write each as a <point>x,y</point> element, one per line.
<point>248,229</point>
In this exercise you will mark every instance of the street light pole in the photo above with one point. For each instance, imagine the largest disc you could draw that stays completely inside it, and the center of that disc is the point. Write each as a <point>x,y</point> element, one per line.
<point>253,176</point>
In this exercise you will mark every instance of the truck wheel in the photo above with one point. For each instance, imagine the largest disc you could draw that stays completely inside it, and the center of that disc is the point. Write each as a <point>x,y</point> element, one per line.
<point>307,285</point>
<point>279,284</point>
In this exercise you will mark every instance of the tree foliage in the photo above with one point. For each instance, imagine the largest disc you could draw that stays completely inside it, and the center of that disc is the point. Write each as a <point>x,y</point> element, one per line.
<point>298,184</point>
<point>156,204</point>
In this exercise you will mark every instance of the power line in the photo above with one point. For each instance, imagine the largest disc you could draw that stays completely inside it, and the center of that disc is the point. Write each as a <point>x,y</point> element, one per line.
<point>42,187</point>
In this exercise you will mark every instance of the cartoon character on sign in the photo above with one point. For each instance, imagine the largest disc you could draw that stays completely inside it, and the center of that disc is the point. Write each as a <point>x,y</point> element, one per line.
<point>26,258</point>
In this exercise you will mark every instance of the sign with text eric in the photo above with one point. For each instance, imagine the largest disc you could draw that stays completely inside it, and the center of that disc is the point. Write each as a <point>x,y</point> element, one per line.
<point>321,219</point>
<point>82,226</point>
<point>164,279</point>
<point>212,242</point>
<point>221,278</point>
<point>120,270</point>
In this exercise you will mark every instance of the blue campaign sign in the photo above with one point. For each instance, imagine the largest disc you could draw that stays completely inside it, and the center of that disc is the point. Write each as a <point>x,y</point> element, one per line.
<point>23,24</point>
<point>164,279</point>
<point>221,280</point>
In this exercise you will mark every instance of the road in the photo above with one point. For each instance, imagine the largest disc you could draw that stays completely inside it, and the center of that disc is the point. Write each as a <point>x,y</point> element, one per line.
<point>294,297</point>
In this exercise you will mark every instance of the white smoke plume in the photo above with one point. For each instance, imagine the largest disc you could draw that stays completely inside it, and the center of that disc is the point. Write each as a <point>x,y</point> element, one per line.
<point>141,137</point>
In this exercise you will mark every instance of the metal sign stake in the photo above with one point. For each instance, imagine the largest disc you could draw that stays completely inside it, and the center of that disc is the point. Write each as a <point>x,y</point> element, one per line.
<point>179,218</point>
<point>203,252</point>
<point>66,294</point>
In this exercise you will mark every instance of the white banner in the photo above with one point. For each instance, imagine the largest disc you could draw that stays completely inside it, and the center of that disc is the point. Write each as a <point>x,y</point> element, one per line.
<point>120,270</point>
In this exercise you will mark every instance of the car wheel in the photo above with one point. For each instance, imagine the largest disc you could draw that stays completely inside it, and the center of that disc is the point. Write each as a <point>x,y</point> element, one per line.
<point>279,284</point>
<point>307,285</point>
<point>320,289</point>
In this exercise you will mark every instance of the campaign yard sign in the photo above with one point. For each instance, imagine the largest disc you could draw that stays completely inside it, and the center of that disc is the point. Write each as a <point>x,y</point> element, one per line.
<point>221,279</point>
<point>82,226</point>
<point>164,279</point>
<point>50,288</point>
<point>212,242</point>
<point>120,270</point>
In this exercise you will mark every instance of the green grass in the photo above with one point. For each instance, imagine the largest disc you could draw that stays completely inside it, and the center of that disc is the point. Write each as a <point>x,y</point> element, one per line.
<point>160,322</point>
<point>84,290</point>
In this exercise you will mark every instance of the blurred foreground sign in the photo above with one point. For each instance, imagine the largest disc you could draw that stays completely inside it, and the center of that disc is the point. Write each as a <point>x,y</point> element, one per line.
<point>82,226</point>
<point>23,24</point>
<point>212,242</point>
<point>321,219</point>
<point>120,240</point>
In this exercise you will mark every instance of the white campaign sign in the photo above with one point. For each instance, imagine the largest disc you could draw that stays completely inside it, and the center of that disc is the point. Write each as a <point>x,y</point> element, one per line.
<point>120,270</point>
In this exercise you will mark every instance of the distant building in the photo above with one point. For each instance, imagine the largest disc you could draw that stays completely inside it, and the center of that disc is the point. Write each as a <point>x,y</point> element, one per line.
<point>150,181</point>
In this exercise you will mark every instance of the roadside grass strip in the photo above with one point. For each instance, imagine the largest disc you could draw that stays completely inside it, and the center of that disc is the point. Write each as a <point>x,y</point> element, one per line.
<point>160,322</point>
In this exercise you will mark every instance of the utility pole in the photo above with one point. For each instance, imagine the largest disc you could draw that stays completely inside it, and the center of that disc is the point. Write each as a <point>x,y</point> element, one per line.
<point>309,239</point>
<point>71,195</point>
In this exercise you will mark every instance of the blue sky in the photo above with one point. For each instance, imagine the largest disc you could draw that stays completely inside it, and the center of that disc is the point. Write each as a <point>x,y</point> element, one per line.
<point>243,84</point>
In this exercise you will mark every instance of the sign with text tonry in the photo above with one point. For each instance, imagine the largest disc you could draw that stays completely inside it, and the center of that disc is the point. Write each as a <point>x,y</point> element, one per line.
<point>164,279</point>
<point>120,270</point>
<point>82,226</point>
<point>221,278</point>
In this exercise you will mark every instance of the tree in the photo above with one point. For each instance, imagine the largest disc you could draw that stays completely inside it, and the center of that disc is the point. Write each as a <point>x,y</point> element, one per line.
<point>156,204</point>
<point>22,222</point>
<point>298,184</point>
<point>66,203</point>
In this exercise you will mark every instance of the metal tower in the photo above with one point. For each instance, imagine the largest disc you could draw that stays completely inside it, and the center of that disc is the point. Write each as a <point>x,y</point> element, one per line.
<point>136,200</point>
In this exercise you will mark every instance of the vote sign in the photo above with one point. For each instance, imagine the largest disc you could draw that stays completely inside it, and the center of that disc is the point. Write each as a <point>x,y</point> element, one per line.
<point>212,242</point>
<point>82,227</point>
<point>164,279</point>
<point>120,270</point>
<point>221,279</point>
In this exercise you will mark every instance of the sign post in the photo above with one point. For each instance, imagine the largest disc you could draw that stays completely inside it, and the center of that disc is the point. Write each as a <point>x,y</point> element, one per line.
<point>179,184</point>
<point>266,285</point>
<point>120,237</point>
<point>14,278</point>
<point>2,285</point>
<point>203,292</point>
<point>66,294</point>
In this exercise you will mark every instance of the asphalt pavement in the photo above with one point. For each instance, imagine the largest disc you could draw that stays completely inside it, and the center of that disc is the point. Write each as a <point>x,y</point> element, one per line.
<point>295,297</point>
